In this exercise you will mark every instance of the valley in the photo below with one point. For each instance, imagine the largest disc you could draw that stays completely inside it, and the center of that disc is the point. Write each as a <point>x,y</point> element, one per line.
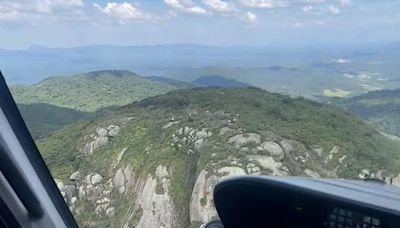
<point>379,108</point>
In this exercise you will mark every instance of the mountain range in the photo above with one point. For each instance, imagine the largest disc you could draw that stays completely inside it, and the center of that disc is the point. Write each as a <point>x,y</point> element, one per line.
<point>342,71</point>
<point>153,163</point>
<point>133,151</point>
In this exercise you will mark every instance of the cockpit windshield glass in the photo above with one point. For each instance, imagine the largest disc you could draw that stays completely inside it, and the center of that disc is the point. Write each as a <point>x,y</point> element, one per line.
<point>139,108</point>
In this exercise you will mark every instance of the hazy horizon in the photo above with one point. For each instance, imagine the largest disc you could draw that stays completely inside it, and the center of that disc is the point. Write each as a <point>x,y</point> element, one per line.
<point>61,23</point>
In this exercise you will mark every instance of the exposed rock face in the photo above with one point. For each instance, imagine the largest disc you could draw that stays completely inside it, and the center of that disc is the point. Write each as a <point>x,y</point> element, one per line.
<point>170,124</point>
<point>252,169</point>
<point>318,150</point>
<point>124,179</point>
<point>100,138</point>
<point>341,159</point>
<point>102,132</point>
<point>287,145</point>
<point>60,184</point>
<point>148,198</point>
<point>244,139</point>
<point>97,142</point>
<point>74,176</point>
<point>364,174</point>
<point>269,163</point>
<point>311,173</point>
<point>231,172</point>
<point>396,180</point>
<point>119,180</point>
<point>273,149</point>
<point>202,208</point>
<point>110,212</point>
<point>113,130</point>
<point>96,178</point>
<point>157,208</point>
<point>186,135</point>
<point>70,191</point>
<point>331,154</point>
<point>129,177</point>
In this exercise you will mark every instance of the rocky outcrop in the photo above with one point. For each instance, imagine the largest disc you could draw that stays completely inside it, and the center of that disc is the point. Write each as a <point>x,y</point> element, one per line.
<point>241,140</point>
<point>156,203</point>
<point>74,176</point>
<point>273,149</point>
<point>396,180</point>
<point>331,154</point>
<point>124,179</point>
<point>113,130</point>
<point>227,171</point>
<point>148,197</point>
<point>311,173</point>
<point>202,207</point>
<point>170,124</point>
<point>187,135</point>
<point>100,138</point>
<point>269,163</point>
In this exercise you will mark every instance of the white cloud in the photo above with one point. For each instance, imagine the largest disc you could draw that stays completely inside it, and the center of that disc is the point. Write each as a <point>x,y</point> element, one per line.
<point>298,25</point>
<point>123,11</point>
<point>249,18</point>
<point>31,10</point>
<point>219,6</point>
<point>186,6</point>
<point>307,8</point>
<point>344,3</point>
<point>8,14</point>
<point>264,4</point>
<point>334,10</point>
<point>312,1</point>
<point>49,6</point>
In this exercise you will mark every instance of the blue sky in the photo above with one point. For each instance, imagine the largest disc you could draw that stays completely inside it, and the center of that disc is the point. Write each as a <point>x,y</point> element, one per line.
<point>66,23</point>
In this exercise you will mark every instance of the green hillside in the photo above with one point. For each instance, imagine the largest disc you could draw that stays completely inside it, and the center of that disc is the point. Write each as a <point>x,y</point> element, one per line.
<point>42,119</point>
<point>91,91</point>
<point>380,108</point>
<point>152,163</point>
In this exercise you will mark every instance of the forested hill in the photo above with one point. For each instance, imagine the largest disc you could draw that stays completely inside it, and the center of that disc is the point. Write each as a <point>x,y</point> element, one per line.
<point>154,163</point>
<point>91,91</point>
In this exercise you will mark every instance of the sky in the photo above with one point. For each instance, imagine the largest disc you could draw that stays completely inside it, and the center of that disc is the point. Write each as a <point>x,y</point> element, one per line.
<point>68,23</point>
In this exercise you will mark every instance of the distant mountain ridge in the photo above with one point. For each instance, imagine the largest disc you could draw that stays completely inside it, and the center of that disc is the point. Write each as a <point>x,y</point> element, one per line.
<point>38,62</point>
<point>380,108</point>
<point>219,81</point>
<point>91,91</point>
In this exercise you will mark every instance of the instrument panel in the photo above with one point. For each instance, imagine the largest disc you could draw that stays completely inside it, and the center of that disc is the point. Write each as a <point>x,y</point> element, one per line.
<point>301,202</point>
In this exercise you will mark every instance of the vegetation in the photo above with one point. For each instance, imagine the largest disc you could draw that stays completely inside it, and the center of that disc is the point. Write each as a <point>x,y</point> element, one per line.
<point>91,91</point>
<point>42,119</point>
<point>380,108</point>
<point>218,81</point>
<point>150,145</point>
